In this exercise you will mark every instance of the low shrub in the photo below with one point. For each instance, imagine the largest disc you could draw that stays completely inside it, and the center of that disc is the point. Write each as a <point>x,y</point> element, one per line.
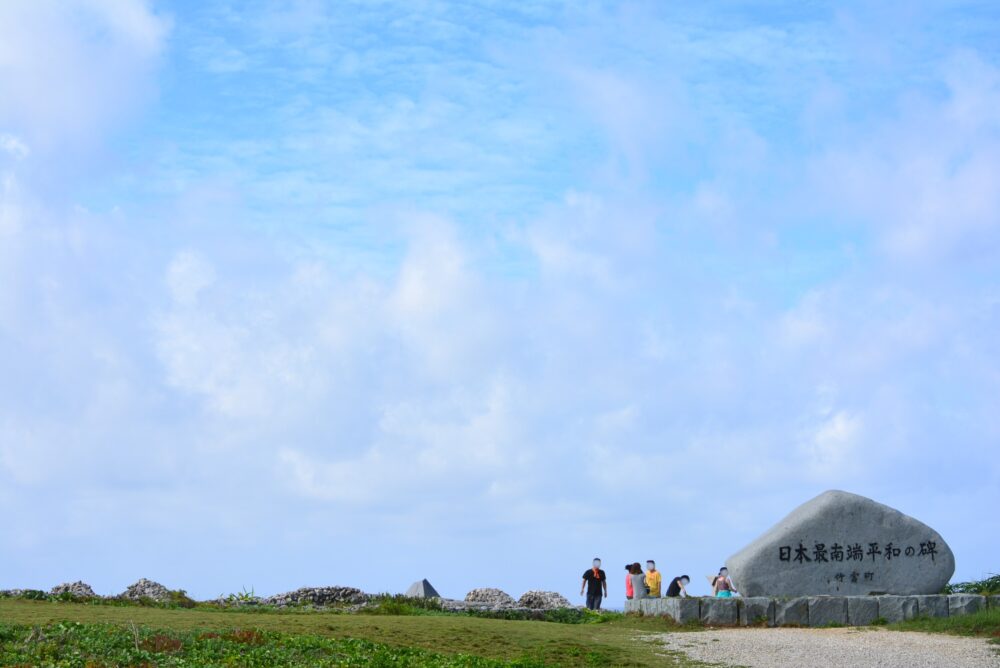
<point>987,587</point>
<point>400,605</point>
<point>180,599</point>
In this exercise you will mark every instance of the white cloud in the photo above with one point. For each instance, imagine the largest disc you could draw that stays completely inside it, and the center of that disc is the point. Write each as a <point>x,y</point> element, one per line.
<point>685,329</point>
<point>423,449</point>
<point>13,146</point>
<point>133,21</point>
<point>833,449</point>
<point>924,180</point>
<point>72,69</point>
<point>187,275</point>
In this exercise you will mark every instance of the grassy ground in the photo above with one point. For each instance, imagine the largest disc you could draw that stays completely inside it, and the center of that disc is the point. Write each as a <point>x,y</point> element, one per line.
<point>436,638</point>
<point>81,635</point>
<point>983,624</point>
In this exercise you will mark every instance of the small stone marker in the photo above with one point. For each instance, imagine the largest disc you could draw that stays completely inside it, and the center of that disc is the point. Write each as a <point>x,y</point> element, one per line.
<point>842,544</point>
<point>422,589</point>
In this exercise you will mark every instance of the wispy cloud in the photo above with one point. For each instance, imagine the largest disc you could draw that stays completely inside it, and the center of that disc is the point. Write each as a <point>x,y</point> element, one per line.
<point>434,283</point>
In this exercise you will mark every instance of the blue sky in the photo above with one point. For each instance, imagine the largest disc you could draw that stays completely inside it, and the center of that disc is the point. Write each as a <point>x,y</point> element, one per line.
<point>358,293</point>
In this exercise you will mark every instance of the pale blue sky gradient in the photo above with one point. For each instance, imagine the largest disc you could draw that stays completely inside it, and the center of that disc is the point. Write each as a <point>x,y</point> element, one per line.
<point>363,292</point>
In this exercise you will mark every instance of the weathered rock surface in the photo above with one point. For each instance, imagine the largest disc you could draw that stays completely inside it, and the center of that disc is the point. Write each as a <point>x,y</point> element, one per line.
<point>897,608</point>
<point>543,600</point>
<point>791,612</point>
<point>318,596</point>
<point>422,589</point>
<point>78,589</point>
<point>862,610</point>
<point>146,589</point>
<point>935,605</point>
<point>756,611</point>
<point>681,610</point>
<point>965,604</point>
<point>719,611</point>
<point>843,544</point>
<point>494,598</point>
<point>827,610</point>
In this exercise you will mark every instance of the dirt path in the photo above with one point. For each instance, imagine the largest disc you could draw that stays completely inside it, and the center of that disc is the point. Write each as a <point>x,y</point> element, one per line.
<point>823,648</point>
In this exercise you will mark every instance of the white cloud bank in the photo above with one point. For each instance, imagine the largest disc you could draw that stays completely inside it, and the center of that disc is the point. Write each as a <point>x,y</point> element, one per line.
<point>715,322</point>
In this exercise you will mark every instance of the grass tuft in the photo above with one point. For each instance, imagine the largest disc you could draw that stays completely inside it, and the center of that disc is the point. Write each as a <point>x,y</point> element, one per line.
<point>985,623</point>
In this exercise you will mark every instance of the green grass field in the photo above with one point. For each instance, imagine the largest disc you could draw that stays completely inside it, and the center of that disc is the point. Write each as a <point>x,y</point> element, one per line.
<point>179,637</point>
<point>85,635</point>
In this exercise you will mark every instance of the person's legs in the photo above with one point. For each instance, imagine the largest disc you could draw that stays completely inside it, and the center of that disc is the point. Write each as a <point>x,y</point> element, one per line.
<point>593,601</point>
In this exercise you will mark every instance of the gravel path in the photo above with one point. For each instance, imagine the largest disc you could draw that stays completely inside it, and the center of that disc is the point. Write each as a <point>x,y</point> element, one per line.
<point>823,648</point>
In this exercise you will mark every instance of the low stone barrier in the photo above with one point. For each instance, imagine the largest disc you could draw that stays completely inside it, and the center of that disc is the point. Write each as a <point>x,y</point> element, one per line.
<point>809,610</point>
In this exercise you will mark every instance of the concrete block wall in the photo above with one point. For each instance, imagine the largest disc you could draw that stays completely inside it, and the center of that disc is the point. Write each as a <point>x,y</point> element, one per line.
<point>809,610</point>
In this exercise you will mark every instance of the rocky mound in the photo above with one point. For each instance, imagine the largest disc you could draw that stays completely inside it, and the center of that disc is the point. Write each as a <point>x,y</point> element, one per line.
<point>146,589</point>
<point>495,598</point>
<point>317,596</point>
<point>543,600</point>
<point>77,589</point>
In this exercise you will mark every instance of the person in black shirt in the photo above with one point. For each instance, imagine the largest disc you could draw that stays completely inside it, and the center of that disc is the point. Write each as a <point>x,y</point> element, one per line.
<point>678,586</point>
<point>595,581</point>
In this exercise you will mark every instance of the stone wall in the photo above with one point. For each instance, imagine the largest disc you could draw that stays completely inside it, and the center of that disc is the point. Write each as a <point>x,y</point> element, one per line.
<point>809,610</point>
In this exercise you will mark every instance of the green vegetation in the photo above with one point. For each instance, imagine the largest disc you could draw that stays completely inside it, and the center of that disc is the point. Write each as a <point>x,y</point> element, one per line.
<point>178,599</point>
<point>77,632</point>
<point>989,587</point>
<point>985,623</point>
<point>560,616</point>
<point>398,604</point>
<point>39,629</point>
<point>72,645</point>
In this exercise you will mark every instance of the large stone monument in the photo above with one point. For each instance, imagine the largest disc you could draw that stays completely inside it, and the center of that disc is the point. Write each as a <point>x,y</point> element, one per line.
<point>842,544</point>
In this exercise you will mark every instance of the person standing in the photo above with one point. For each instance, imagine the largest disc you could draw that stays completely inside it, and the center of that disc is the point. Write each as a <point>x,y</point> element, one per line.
<point>594,580</point>
<point>628,581</point>
<point>722,586</point>
<point>639,588</point>
<point>654,579</point>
